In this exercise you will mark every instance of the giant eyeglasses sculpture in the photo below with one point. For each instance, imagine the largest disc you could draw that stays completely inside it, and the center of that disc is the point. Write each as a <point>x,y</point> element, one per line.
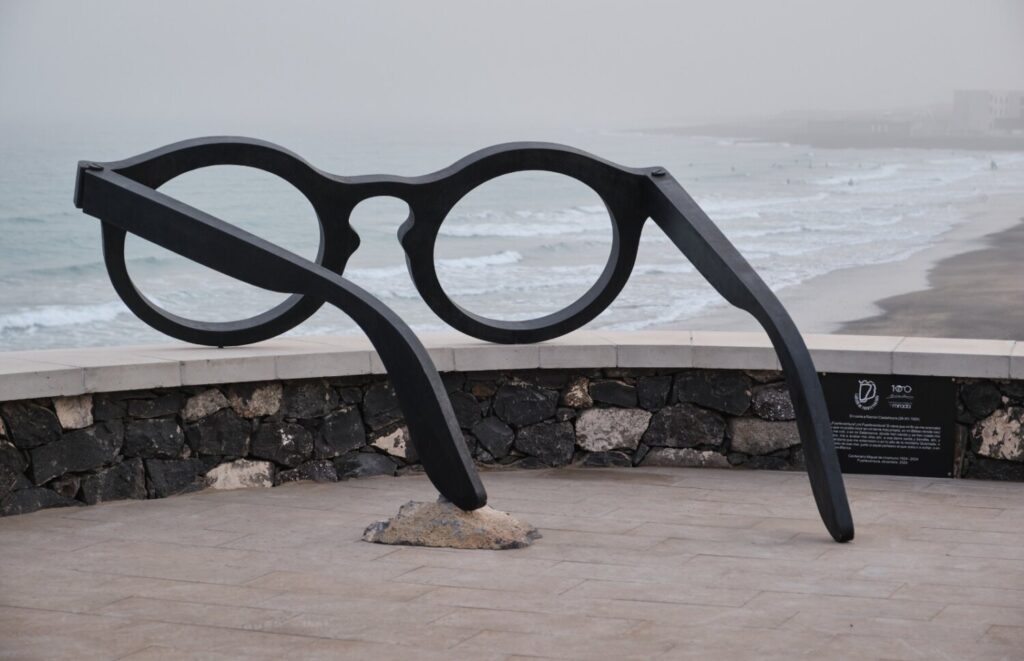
<point>124,196</point>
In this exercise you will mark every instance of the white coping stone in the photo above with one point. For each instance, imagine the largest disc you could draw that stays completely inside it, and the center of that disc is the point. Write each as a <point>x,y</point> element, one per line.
<point>579,349</point>
<point>731,350</point>
<point>1017,361</point>
<point>866,354</point>
<point>934,356</point>
<point>655,349</point>
<point>69,372</point>
<point>26,379</point>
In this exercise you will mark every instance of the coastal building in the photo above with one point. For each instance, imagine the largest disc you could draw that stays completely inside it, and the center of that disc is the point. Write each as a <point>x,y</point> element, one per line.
<point>987,111</point>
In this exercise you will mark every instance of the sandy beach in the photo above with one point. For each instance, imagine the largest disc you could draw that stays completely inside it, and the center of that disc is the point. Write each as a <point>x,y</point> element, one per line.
<point>971,284</point>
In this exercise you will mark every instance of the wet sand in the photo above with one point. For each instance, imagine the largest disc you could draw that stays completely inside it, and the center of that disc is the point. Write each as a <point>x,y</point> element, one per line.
<point>977,294</point>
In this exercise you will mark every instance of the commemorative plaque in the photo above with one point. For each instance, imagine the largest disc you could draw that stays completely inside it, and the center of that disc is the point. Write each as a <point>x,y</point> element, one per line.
<point>892,425</point>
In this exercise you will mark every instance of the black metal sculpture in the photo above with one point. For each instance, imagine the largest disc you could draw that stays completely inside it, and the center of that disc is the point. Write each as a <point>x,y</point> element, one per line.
<point>123,195</point>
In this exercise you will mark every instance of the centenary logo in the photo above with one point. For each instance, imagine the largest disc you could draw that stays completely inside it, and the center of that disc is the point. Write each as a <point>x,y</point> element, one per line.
<point>866,397</point>
<point>901,397</point>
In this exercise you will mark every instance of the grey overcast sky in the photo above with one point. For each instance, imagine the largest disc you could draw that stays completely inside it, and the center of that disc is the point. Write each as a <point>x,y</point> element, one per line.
<point>453,62</point>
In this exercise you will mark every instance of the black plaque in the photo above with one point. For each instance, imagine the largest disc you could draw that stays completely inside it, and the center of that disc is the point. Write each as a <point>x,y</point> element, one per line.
<point>892,425</point>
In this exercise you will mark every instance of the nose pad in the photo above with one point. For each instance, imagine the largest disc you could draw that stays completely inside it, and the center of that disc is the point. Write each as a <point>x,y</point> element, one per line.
<point>379,264</point>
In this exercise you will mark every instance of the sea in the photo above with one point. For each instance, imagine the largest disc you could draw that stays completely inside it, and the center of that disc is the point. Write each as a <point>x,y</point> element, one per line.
<point>521,246</point>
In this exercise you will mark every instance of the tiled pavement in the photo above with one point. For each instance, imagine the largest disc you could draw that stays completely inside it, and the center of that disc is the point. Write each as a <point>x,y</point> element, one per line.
<point>634,563</point>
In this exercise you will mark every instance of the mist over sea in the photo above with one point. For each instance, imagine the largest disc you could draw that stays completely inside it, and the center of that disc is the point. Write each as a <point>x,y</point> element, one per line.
<point>517,248</point>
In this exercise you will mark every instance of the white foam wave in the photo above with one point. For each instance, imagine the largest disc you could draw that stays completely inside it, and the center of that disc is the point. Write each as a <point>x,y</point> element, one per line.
<point>52,316</point>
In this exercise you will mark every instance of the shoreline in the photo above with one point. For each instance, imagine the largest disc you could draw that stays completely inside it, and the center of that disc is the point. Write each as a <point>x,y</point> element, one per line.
<point>843,301</point>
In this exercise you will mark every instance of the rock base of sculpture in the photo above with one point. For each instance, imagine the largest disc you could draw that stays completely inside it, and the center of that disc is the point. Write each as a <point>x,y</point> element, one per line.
<point>442,524</point>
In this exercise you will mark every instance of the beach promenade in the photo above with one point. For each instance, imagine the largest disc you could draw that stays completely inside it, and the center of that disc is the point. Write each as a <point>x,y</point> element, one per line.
<point>662,563</point>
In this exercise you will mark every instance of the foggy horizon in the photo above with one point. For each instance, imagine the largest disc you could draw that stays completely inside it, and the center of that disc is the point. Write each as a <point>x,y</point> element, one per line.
<point>400,64</point>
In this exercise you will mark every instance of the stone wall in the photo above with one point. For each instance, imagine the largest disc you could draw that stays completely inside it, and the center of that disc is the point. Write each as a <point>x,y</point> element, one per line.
<point>156,443</point>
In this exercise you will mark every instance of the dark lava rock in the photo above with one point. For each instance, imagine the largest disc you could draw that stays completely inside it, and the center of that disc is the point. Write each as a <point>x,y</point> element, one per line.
<point>641,451</point>
<point>772,402</point>
<point>24,501</point>
<point>108,406</point>
<point>364,464</point>
<point>564,414</point>
<point>605,459</point>
<point>552,379</point>
<point>522,404</point>
<point>350,395</point>
<point>12,457</point>
<point>551,442</point>
<point>1013,389</point>
<point>995,469</point>
<point>453,381</point>
<point>221,434</point>
<point>8,480</point>
<point>308,399</point>
<point>685,426</point>
<point>494,436</point>
<point>652,391</point>
<point>530,463</point>
<point>158,407</point>
<point>341,432</point>
<point>79,450</point>
<point>125,480</point>
<point>615,393</point>
<point>318,470</point>
<point>167,477</point>
<point>981,399</point>
<point>66,485</point>
<point>467,409</point>
<point>728,392</point>
<point>160,438</point>
<point>769,462</point>
<point>30,425</point>
<point>285,443</point>
<point>380,406</point>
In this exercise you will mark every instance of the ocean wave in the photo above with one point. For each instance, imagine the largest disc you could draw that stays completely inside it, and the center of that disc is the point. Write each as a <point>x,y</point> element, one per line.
<point>52,316</point>
<point>882,172</point>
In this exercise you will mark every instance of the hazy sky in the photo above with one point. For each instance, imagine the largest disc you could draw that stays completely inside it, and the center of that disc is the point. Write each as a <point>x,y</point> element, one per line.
<point>620,64</point>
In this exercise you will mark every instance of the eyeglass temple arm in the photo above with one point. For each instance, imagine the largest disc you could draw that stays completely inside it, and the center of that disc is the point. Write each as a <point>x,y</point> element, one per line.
<point>728,272</point>
<point>207,240</point>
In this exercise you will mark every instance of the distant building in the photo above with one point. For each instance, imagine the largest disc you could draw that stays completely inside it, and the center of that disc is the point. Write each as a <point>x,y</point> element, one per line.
<point>987,111</point>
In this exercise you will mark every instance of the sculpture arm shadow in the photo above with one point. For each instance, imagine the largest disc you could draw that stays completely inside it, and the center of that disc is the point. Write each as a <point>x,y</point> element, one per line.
<point>728,272</point>
<point>127,206</point>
